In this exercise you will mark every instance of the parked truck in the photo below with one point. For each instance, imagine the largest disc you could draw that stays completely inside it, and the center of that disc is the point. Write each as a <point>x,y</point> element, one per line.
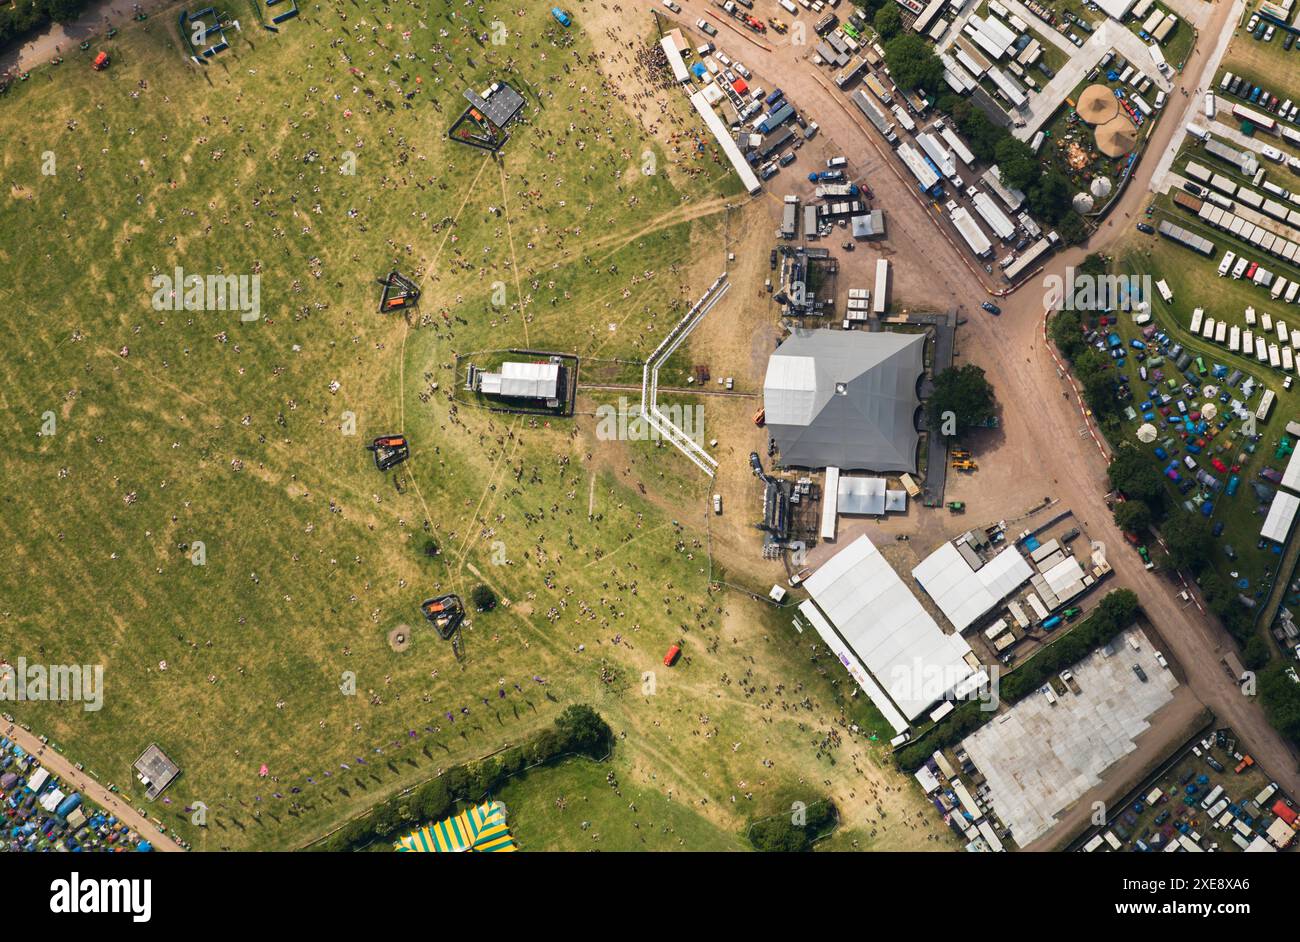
<point>1067,678</point>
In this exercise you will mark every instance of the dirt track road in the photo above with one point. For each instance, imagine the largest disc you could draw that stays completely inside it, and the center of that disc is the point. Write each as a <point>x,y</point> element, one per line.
<point>1041,449</point>
<point>96,792</point>
<point>62,37</point>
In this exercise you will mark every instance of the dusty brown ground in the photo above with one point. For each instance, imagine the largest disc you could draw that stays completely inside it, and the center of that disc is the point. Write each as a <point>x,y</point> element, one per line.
<point>1042,447</point>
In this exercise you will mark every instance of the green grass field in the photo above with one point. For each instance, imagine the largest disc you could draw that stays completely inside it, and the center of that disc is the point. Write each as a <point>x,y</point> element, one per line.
<point>171,428</point>
<point>573,807</point>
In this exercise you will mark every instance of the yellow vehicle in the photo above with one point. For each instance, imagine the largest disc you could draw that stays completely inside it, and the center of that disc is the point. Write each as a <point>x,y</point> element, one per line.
<point>965,465</point>
<point>778,25</point>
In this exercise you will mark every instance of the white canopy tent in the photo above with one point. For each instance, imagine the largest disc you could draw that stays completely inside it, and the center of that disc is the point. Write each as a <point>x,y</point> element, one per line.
<point>871,608</point>
<point>963,594</point>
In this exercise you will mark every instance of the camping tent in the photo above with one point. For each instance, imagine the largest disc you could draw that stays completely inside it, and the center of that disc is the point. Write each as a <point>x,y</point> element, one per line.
<point>1147,433</point>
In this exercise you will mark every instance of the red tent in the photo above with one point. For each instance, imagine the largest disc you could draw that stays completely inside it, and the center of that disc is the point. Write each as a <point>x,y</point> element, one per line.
<point>1285,813</point>
<point>740,85</point>
<point>100,62</point>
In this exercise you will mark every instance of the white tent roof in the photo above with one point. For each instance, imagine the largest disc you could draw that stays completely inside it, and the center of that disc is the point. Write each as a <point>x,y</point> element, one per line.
<point>1064,575</point>
<point>862,495</point>
<point>1116,9</point>
<point>522,380</point>
<point>853,665</point>
<point>1291,476</point>
<point>1281,515</point>
<point>963,594</point>
<point>882,621</point>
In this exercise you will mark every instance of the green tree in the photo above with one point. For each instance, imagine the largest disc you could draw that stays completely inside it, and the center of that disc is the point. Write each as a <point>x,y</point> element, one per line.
<point>1095,264</point>
<point>1066,329</point>
<point>1136,476</point>
<point>1133,516</point>
<point>888,21</point>
<point>912,63</point>
<point>581,729</point>
<point>778,835</point>
<point>1072,228</point>
<point>1120,608</point>
<point>966,393</point>
<point>1256,653</point>
<point>1049,198</point>
<point>484,598</point>
<point>433,800</point>
<point>1280,696</point>
<point>1188,538</point>
<point>1018,164</point>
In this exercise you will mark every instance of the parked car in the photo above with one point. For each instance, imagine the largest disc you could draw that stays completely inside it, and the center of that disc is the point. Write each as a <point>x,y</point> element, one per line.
<point>707,28</point>
<point>1143,227</point>
<point>991,307</point>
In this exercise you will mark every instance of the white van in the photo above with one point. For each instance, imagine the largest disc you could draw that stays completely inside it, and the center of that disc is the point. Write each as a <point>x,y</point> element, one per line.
<point>1160,100</point>
<point>788,7</point>
<point>836,162</point>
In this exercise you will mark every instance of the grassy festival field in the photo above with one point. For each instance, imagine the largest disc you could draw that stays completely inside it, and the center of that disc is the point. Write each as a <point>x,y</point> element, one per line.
<point>135,433</point>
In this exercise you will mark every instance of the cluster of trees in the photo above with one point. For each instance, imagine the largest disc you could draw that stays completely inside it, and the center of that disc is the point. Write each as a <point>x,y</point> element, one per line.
<point>579,730</point>
<point>913,64</point>
<point>1281,698</point>
<point>19,19</point>
<point>1093,368</point>
<point>792,832</point>
<point>1115,613</point>
<point>1048,192</point>
<point>966,393</point>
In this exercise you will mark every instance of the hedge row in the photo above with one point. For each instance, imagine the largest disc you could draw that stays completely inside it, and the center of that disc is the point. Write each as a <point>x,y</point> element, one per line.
<point>1115,613</point>
<point>579,730</point>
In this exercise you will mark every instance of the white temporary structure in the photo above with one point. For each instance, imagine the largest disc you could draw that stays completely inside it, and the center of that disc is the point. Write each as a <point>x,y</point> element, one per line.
<point>964,594</point>
<point>1281,516</point>
<point>851,663</point>
<point>904,649</point>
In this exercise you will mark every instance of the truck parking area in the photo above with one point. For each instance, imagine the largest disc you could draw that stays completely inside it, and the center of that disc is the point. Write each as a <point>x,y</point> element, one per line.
<point>1211,796</point>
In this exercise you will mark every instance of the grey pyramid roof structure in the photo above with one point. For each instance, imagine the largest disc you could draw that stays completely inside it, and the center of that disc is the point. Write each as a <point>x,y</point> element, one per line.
<point>845,399</point>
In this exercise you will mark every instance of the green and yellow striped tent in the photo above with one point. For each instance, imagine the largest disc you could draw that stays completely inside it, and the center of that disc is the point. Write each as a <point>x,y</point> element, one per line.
<point>481,828</point>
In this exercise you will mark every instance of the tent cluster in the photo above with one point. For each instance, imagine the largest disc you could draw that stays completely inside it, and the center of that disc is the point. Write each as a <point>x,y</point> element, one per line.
<point>481,829</point>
